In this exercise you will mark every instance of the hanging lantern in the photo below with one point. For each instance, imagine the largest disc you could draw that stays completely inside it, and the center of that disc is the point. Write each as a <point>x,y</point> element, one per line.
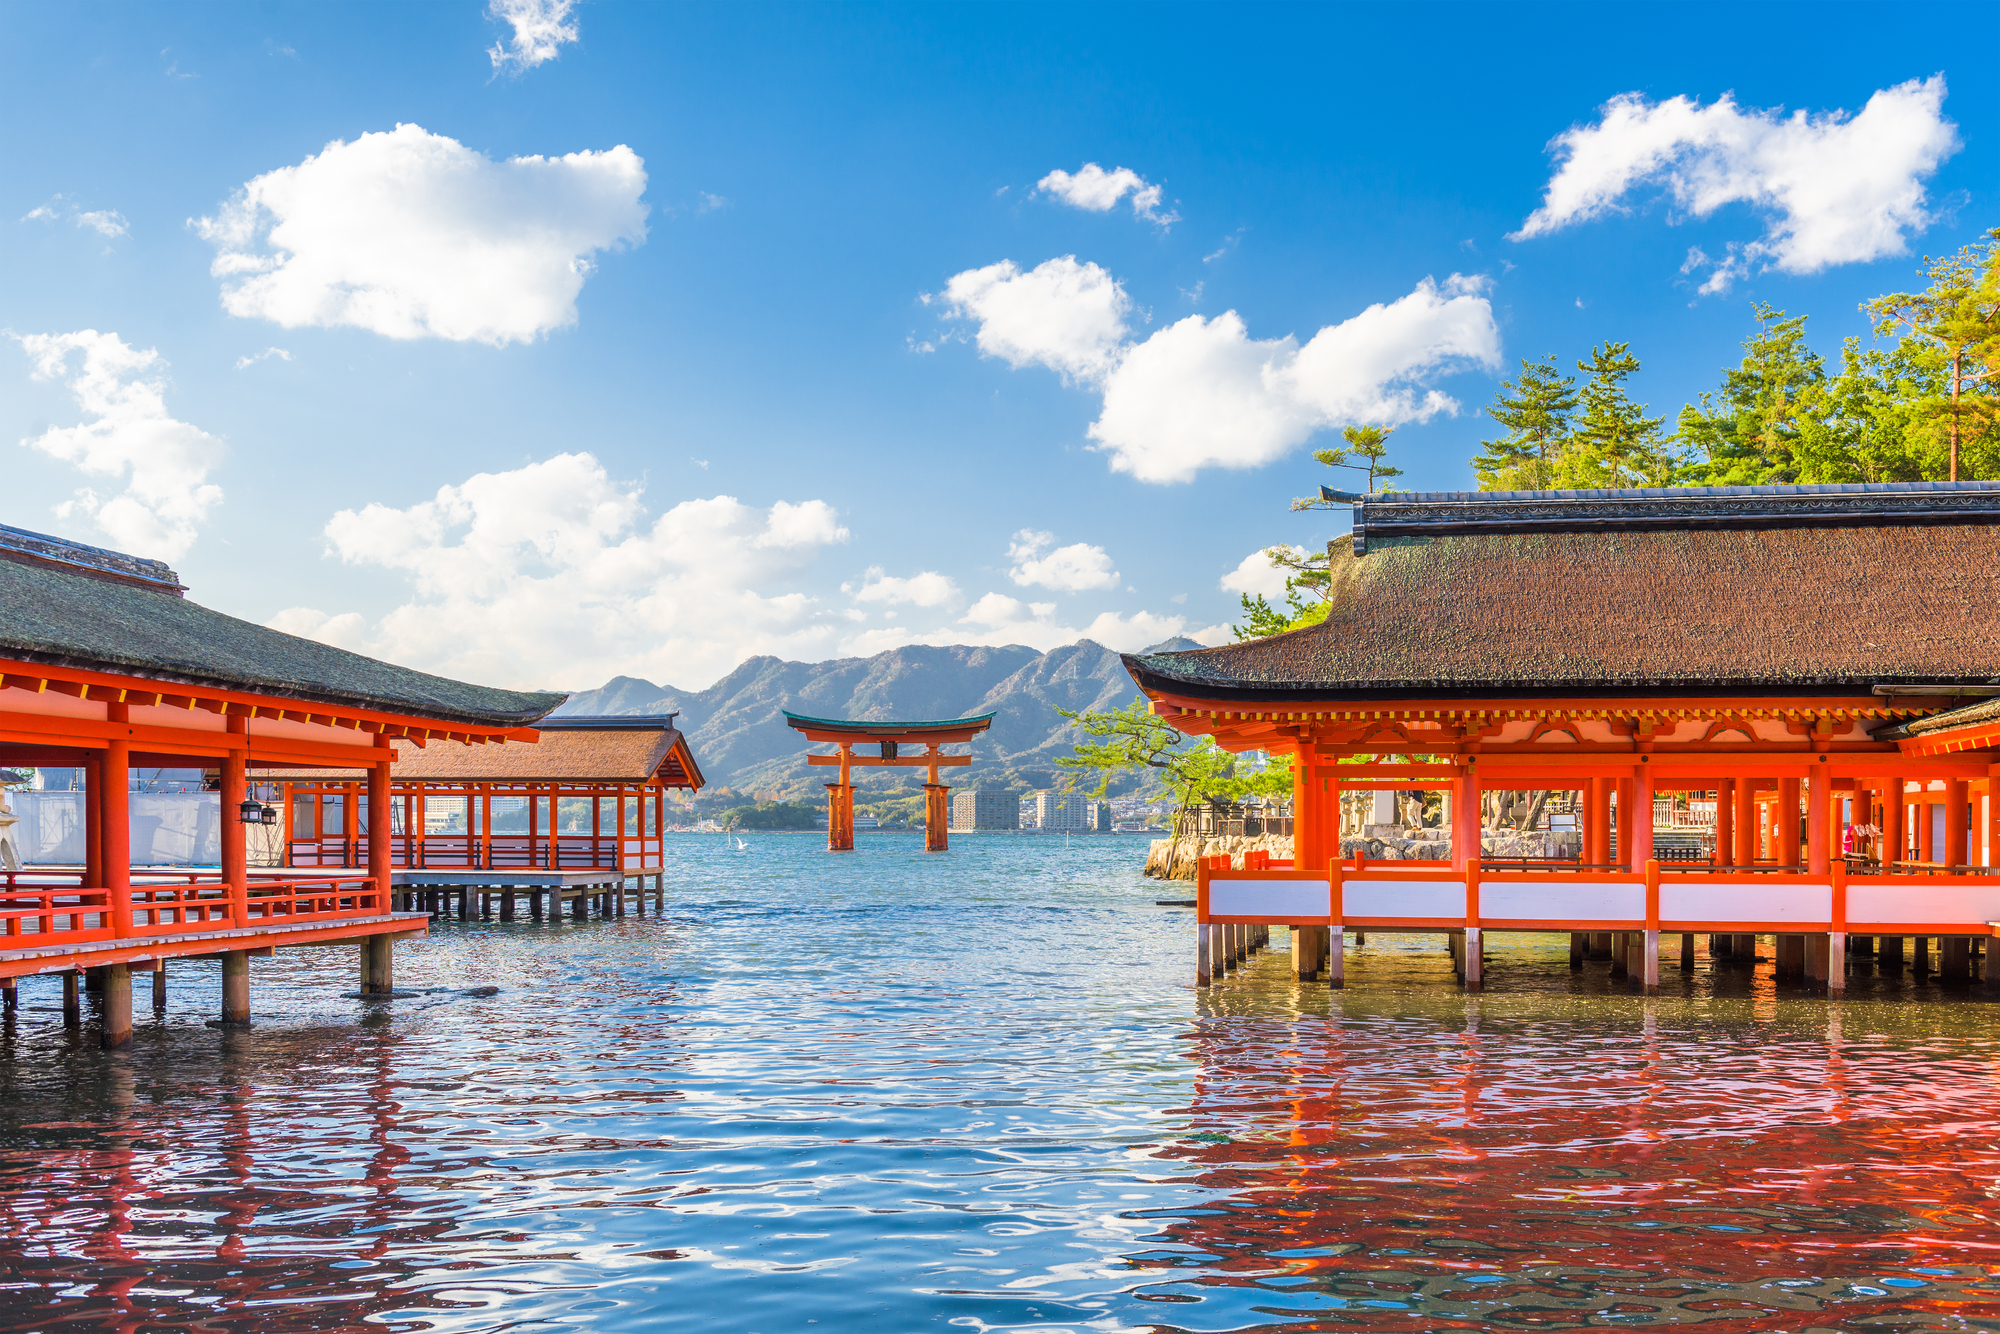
<point>251,811</point>
<point>270,815</point>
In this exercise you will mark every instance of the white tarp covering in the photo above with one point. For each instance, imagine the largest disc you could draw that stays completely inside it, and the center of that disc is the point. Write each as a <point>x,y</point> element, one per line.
<point>168,828</point>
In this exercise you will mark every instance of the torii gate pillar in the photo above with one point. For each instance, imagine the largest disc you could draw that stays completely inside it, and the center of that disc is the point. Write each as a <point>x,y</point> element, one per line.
<point>840,817</point>
<point>937,809</point>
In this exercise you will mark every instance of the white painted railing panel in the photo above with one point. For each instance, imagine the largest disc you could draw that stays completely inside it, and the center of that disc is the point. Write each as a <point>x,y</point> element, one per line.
<point>1277,900</point>
<point>1566,901</point>
<point>1922,899</point>
<point>1748,901</point>
<point>1402,898</point>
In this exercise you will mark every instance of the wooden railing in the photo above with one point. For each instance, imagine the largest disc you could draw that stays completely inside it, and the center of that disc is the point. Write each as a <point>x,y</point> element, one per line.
<point>469,852</point>
<point>55,907</point>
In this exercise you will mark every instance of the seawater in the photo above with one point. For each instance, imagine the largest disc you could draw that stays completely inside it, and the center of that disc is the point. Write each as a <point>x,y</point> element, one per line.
<point>978,1091</point>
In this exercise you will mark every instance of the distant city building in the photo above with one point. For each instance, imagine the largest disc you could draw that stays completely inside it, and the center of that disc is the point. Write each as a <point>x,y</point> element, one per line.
<point>866,822</point>
<point>1065,813</point>
<point>984,810</point>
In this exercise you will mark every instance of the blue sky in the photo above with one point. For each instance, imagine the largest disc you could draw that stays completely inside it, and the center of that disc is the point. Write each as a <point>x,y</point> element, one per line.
<point>744,377</point>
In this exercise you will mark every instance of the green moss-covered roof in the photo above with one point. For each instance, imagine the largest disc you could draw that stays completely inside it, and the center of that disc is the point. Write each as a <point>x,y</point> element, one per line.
<point>1757,610</point>
<point>61,615</point>
<point>981,720</point>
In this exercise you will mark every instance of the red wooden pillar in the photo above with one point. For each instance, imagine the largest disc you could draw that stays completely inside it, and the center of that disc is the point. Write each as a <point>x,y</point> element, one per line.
<point>1327,825</point>
<point>840,807</point>
<point>1465,849</point>
<point>1725,822</point>
<point>1625,830</point>
<point>93,821</point>
<point>235,834</point>
<point>1893,802</point>
<point>116,809</point>
<point>1593,822</point>
<point>1926,840</point>
<point>1642,815</point>
<point>350,833</point>
<point>937,810</point>
<point>380,860</point>
<point>1786,814</point>
<point>1746,821</point>
<point>1819,822</point>
<point>1955,801</point>
<point>1309,848</point>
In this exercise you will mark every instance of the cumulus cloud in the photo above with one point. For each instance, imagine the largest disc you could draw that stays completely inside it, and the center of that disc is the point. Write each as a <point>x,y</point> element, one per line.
<point>928,589</point>
<point>553,574</point>
<point>129,438</point>
<point>412,235</point>
<point>1061,314</point>
<point>1071,569</point>
<point>997,619</point>
<point>108,223</point>
<point>1203,393</point>
<point>541,27</point>
<point>1257,576</point>
<point>1833,188</point>
<point>1098,191</point>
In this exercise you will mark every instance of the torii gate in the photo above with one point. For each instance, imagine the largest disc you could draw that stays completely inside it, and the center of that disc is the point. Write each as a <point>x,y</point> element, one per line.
<point>891,737</point>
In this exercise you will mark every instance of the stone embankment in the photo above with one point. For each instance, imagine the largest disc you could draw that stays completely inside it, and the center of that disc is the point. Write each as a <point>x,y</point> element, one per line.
<point>1427,845</point>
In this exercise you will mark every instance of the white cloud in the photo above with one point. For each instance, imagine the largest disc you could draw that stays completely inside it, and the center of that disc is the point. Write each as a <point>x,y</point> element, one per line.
<point>1201,392</point>
<point>1070,569</point>
<point>1061,314</point>
<point>243,363</point>
<point>108,223</point>
<point>541,27</point>
<point>1209,636</point>
<point>553,574</point>
<point>928,589</point>
<point>1098,191</point>
<point>1833,189</point>
<point>412,234</point>
<point>1257,576</point>
<point>129,438</point>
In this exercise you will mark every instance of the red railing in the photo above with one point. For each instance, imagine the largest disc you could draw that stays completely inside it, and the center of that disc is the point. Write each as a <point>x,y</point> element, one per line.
<point>58,906</point>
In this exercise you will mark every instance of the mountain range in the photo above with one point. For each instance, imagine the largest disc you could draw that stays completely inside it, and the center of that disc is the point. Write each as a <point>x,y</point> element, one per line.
<point>742,744</point>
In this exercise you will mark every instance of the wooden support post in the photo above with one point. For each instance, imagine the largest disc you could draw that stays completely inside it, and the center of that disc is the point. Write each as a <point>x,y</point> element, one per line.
<point>378,964</point>
<point>579,907</point>
<point>1454,945</point>
<point>1956,849</point>
<point>1650,979</point>
<point>236,987</point>
<point>1819,821</point>
<point>1600,944</point>
<point>1787,815</point>
<point>1578,943</point>
<point>1620,953</point>
<point>507,904</point>
<point>1725,822</point>
<point>1744,823</point>
<point>1335,939</point>
<point>10,995</point>
<point>1474,947</point>
<point>1303,969</point>
<point>1836,963</point>
<point>1687,951</point>
<point>117,1006</point>
<point>93,821</point>
<point>72,1000</point>
<point>937,814</point>
<point>1218,955</point>
<point>1746,950</point>
<point>117,806</point>
<point>1818,957</point>
<point>1955,966</point>
<point>1921,956</point>
<point>1202,951</point>
<point>1889,953</point>
<point>159,984</point>
<point>381,842</point>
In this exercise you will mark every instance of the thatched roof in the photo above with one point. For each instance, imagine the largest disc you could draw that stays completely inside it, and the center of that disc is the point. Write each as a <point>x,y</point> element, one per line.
<point>623,750</point>
<point>64,604</point>
<point>1766,590</point>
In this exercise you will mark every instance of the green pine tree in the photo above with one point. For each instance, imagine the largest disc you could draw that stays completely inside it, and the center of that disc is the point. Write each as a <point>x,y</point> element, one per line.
<point>1953,328</point>
<point>1537,419</point>
<point>1749,433</point>
<point>1615,442</point>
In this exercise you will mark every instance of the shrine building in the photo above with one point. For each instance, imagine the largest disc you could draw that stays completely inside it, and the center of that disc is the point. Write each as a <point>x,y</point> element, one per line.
<point>104,666</point>
<point>1821,663</point>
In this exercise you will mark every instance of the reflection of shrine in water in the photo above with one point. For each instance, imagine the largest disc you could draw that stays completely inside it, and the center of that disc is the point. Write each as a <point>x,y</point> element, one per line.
<point>204,1198</point>
<point>1528,1166</point>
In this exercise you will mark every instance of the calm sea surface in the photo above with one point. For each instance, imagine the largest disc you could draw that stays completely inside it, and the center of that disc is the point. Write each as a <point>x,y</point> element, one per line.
<point>978,1091</point>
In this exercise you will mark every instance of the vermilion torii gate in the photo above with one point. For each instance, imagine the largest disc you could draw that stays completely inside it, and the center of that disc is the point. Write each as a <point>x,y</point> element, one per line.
<point>890,737</point>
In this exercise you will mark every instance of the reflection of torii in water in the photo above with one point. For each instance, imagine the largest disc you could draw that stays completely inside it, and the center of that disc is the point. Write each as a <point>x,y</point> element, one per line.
<point>891,736</point>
